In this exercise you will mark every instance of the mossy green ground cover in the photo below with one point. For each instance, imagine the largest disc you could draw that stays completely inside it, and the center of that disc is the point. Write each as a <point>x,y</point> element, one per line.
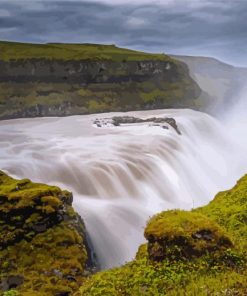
<point>60,51</point>
<point>42,243</point>
<point>202,252</point>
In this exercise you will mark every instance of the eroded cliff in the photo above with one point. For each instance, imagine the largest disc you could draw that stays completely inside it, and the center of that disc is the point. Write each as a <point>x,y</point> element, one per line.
<point>63,79</point>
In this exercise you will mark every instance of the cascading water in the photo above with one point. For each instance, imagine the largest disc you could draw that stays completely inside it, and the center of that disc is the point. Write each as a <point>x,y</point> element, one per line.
<point>122,175</point>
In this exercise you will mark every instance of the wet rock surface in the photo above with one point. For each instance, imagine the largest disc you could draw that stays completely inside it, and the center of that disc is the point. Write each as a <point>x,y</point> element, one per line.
<point>154,121</point>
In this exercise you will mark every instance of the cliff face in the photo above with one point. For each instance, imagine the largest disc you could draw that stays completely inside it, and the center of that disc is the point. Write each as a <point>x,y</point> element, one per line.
<point>44,83</point>
<point>43,245</point>
<point>87,72</point>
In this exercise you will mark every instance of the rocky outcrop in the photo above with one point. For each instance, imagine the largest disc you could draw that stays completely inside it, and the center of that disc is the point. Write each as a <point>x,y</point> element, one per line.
<point>156,121</point>
<point>43,243</point>
<point>117,80</point>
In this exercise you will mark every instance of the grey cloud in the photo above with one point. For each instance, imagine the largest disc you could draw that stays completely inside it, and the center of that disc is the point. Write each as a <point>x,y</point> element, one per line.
<point>215,28</point>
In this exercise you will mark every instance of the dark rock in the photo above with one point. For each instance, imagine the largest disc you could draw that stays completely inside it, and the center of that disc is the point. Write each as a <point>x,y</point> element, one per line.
<point>173,123</point>
<point>70,278</point>
<point>157,121</point>
<point>62,294</point>
<point>41,227</point>
<point>165,127</point>
<point>117,120</point>
<point>203,234</point>
<point>11,282</point>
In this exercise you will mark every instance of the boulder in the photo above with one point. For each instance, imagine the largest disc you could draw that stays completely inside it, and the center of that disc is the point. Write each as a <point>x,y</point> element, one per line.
<point>180,235</point>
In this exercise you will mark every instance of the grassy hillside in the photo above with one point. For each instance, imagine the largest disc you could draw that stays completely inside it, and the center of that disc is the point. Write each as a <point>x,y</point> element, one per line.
<point>17,51</point>
<point>201,252</point>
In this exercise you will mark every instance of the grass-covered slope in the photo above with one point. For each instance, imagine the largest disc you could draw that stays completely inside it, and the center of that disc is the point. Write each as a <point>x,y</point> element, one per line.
<point>201,252</point>
<point>69,79</point>
<point>229,209</point>
<point>60,51</point>
<point>43,248</point>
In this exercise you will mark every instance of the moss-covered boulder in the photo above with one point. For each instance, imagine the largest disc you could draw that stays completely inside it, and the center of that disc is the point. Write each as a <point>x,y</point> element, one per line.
<point>180,234</point>
<point>43,247</point>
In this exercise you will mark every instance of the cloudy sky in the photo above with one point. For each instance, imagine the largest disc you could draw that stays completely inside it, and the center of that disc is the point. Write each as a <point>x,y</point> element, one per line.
<point>190,27</point>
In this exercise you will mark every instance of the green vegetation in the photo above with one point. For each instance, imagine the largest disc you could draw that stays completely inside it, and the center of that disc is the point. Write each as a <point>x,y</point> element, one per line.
<point>229,209</point>
<point>201,252</point>
<point>42,243</point>
<point>59,51</point>
<point>179,235</point>
<point>11,293</point>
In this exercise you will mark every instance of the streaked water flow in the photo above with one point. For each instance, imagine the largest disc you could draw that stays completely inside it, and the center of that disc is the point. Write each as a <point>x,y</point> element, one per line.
<point>122,175</point>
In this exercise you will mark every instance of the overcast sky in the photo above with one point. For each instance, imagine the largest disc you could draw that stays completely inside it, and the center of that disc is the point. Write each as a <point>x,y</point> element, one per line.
<point>189,27</point>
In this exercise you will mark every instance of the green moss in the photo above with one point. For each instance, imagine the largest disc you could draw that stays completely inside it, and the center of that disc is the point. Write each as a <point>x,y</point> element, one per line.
<point>175,223</point>
<point>41,238</point>
<point>229,209</point>
<point>19,194</point>
<point>59,51</point>
<point>11,293</point>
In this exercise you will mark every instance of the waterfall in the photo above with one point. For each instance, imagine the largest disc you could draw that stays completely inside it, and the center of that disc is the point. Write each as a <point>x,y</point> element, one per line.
<point>120,176</point>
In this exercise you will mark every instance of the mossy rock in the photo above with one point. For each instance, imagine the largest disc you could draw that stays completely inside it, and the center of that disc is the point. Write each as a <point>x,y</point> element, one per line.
<point>181,234</point>
<point>43,247</point>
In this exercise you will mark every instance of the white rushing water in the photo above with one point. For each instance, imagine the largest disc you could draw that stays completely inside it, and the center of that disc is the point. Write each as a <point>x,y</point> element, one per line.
<point>122,175</point>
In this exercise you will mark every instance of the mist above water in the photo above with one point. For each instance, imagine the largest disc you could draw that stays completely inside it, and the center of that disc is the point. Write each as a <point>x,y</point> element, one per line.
<point>120,176</point>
